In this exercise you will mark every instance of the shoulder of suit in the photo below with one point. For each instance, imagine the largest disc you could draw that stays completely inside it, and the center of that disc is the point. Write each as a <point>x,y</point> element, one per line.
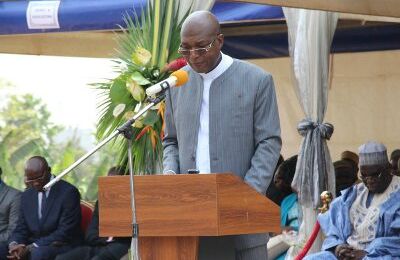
<point>241,65</point>
<point>247,67</point>
<point>12,190</point>
<point>27,193</point>
<point>67,185</point>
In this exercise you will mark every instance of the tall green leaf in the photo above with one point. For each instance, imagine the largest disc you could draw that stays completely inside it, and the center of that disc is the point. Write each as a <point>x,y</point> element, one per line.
<point>156,31</point>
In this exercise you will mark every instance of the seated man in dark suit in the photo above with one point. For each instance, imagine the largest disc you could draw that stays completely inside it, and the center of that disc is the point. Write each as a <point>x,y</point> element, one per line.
<point>99,248</point>
<point>49,221</point>
<point>9,209</point>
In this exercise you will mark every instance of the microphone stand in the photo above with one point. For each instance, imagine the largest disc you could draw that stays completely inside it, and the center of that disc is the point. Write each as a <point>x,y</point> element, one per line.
<point>127,131</point>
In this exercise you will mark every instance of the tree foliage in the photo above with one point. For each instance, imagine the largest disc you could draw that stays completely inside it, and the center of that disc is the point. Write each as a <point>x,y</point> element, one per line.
<point>26,130</point>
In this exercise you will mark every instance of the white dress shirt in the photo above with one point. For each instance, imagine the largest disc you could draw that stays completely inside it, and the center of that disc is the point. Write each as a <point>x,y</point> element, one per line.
<point>203,140</point>
<point>40,195</point>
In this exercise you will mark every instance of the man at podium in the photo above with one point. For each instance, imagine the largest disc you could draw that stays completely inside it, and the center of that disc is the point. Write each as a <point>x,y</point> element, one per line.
<point>225,119</point>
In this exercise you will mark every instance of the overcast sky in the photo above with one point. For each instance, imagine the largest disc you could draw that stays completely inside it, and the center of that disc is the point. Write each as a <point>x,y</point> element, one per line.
<point>61,82</point>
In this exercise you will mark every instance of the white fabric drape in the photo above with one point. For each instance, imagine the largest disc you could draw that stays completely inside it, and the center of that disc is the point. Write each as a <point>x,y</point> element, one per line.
<point>194,5</point>
<point>310,37</point>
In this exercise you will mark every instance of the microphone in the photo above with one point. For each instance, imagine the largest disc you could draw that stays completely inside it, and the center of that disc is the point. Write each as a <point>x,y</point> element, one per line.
<point>176,79</point>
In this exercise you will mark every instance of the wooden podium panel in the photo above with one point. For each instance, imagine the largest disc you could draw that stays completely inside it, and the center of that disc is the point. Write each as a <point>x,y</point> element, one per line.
<point>185,205</point>
<point>174,248</point>
<point>242,210</point>
<point>165,205</point>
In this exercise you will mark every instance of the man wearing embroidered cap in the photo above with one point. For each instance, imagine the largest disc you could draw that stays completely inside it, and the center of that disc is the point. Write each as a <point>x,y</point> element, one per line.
<point>364,223</point>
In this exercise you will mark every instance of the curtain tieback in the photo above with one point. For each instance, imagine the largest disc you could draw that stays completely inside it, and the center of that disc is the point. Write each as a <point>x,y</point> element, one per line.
<point>306,125</point>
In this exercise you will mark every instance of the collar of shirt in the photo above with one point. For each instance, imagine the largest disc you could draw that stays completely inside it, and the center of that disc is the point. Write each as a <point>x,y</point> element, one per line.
<point>47,191</point>
<point>223,65</point>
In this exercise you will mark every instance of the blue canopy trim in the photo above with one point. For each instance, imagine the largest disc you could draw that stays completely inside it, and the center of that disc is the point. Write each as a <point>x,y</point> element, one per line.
<point>229,12</point>
<point>271,45</point>
<point>73,15</point>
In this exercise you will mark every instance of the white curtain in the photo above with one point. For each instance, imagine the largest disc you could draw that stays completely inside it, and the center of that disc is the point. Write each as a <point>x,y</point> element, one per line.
<point>194,5</point>
<point>310,37</point>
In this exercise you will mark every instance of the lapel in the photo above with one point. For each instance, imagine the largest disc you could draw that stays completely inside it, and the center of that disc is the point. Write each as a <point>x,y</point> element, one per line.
<point>32,195</point>
<point>50,201</point>
<point>3,192</point>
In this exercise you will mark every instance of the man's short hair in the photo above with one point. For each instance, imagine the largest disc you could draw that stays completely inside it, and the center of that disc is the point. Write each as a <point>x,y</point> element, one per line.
<point>288,169</point>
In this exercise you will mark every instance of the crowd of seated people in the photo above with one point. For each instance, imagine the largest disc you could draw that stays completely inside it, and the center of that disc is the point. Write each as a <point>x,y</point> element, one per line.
<point>290,212</point>
<point>346,176</point>
<point>40,224</point>
<point>362,223</point>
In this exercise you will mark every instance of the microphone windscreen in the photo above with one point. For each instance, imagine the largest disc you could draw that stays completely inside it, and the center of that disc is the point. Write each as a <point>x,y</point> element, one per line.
<point>181,77</point>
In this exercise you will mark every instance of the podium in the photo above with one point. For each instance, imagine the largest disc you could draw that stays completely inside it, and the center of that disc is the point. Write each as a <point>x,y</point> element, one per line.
<point>174,210</point>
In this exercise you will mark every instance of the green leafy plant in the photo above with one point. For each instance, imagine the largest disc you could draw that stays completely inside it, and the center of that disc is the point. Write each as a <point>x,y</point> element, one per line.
<point>146,46</point>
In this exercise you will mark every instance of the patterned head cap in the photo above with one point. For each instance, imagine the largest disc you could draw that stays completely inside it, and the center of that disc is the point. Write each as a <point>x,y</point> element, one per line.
<point>372,153</point>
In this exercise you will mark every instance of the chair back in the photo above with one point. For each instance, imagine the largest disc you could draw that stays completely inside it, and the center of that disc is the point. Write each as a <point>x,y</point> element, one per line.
<point>87,213</point>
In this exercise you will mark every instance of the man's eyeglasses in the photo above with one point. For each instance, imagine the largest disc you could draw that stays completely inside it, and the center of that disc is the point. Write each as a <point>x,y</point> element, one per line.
<point>197,51</point>
<point>30,181</point>
<point>375,176</point>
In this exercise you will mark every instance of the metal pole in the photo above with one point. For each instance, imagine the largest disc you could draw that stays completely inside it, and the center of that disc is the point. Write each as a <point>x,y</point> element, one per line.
<point>80,160</point>
<point>104,142</point>
<point>134,255</point>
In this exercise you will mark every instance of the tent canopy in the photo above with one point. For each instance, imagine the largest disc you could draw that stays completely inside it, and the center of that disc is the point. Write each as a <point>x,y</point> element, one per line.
<point>251,30</point>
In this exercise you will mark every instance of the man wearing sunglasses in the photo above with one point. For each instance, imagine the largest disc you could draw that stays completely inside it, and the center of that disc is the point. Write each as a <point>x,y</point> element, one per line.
<point>225,119</point>
<point>49,221</point>
<point>364,223</point>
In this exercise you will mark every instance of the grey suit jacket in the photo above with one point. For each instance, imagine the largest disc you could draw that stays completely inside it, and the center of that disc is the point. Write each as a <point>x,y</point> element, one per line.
<point>10,199</point>
<point>244,128</point>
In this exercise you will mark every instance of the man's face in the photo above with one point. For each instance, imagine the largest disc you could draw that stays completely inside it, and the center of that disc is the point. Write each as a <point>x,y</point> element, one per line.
<point>345,177</point>
<point>376,177</point>
<point>202,51</point>
<point>37,178</point>
<point>280,181</point>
